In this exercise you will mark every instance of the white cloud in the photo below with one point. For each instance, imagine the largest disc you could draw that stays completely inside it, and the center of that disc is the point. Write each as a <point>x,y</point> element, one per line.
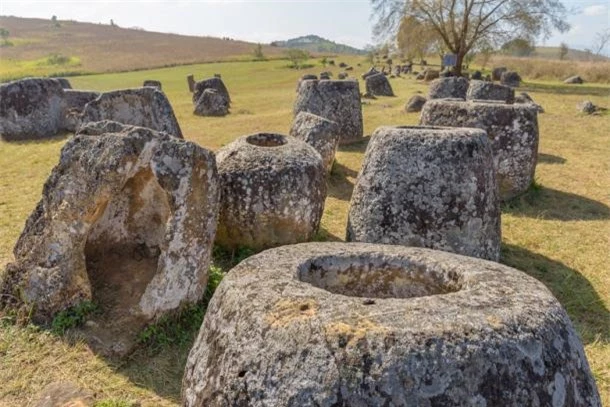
<point>595,10</point>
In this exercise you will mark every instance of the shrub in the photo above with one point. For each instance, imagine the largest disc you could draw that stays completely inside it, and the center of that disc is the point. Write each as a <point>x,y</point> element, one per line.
<point>57,59</point>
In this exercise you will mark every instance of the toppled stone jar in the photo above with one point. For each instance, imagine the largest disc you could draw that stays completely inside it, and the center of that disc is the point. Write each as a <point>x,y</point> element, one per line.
<point>127,220</point>
<point>31,109</point>
<point>512,131</point>
<point>335,324</point>
<point>335,100</point>
<point>273,191</point>
<point>146,107</point>
<point>320,133</point>
<point>429,187</point>
<point>378,85</point>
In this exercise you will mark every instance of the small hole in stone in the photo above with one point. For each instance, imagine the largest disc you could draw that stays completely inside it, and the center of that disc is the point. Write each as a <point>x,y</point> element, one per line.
<point>304,307</point>
<point>242,373</point>
<point>378,276</point>
<point>267,140</point>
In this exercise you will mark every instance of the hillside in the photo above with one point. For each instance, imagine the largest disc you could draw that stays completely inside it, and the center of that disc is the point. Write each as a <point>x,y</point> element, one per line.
<point>104,48</point>
<point>314,43</point>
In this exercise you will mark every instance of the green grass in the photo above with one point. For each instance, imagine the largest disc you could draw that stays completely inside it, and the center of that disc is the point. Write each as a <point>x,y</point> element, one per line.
<point>51,65</point>
<point>557,232</point>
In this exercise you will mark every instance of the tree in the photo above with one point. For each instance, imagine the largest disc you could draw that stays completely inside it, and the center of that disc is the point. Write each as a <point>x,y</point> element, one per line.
<point>519,47</point>
<point>4,34</point>
<point>258,53</point>
<point>563,50</point>
<point>324,62</point>
<point>416,39</point>
<point>461,24</point>
<point>601,41</point>
<point>54,20</point>
<point>297,57</point>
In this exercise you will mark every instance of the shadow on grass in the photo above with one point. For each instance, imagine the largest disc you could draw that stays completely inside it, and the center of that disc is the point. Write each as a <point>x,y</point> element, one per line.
<point>547,203</point>
<point>339,184</point>
<point>550,159</point>
<point>574,292</point>
<point>563,89</point>
<point>26,142</point>
<point>359,146</point>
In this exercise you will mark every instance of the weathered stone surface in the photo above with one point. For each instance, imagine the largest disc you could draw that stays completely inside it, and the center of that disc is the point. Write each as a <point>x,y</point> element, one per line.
<point>31,109</point>
<point>153,83</point>
<point>344,325</point>
<point>64,83</point>
<point>273,191</point>
<point>415,104</point>
<point>75,101</point>
<point>372,71</point>
<point>320,133</point>
<point>577,80</point>
<point>477,75</point>
<point>450,87</point>
<point>127,219</point>
<point>412,181</point>
<point>146,107</point>
<point>483,90</point>
<point>496,73</point>
<point>211,83</point>
<point>190,80</point>
<point>325,75</point>
<point>512,130</point>
<point>378,85</point>
<point>211,103</point>
<point>510,78</point>
<point>342,75</point>
<point>586,106</point>
<point>335,100</point>
<point>525,98</point>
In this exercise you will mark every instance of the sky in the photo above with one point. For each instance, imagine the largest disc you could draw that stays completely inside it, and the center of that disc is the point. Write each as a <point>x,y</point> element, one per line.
<point>343,21</point>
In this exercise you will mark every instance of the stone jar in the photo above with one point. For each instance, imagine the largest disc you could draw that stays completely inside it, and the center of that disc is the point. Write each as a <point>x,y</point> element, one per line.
<point>273,191</point>
<point>429,187</point>
<point>318,132</point>
<point>512,131</point>
<point>336,324</point>
<point>335,100</point>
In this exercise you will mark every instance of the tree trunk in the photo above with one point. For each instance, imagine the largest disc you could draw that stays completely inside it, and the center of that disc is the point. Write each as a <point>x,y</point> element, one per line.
<point>457,69</point>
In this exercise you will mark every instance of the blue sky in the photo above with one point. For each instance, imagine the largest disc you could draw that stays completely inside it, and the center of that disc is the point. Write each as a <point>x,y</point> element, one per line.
<point>346,21</point>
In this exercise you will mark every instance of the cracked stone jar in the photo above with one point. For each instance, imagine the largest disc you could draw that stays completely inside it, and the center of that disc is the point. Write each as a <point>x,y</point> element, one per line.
<point>429,187</point>
<point>337,324</point>
<point>273,191</point>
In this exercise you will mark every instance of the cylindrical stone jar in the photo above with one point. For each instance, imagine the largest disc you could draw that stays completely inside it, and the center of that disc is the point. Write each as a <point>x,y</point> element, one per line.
<point>512,131</point>
<point>273,191</point>
<point>336,324</point>
<point>483,90</point>
<point>429,187</point>
<point>335,100</point>
<point>451,87</point>
<point>320,133</point>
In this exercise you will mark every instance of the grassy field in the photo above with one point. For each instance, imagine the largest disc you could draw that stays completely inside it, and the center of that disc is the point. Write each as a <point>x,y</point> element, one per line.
<point>558,232</point>
<point>106,48</point>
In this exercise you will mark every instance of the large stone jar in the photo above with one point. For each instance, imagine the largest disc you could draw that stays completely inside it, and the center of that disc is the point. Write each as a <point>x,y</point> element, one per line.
<point>338,101</point>
<point>273,191</point>
<point>512,131</point>
<point>429,187</point>
<point>336,324</point>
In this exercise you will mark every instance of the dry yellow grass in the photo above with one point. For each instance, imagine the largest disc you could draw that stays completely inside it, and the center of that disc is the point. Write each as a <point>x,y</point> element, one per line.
<point>550,69</point>
<point>558,232</point>
<point>104,48</point>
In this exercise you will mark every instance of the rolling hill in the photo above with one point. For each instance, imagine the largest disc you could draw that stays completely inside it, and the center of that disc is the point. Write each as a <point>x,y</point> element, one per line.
<point>314,43</point>
<point>89,47</point>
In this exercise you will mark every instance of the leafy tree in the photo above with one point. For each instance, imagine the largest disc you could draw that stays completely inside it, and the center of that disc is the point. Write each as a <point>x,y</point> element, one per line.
<point>258,53</point>
<point>563,50</point>
<point>461,24</point>
<point>416,39</point>
<point>297,57</point>
<point>54,20</point>
<point>4,34</point>
<point>519,47</point>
